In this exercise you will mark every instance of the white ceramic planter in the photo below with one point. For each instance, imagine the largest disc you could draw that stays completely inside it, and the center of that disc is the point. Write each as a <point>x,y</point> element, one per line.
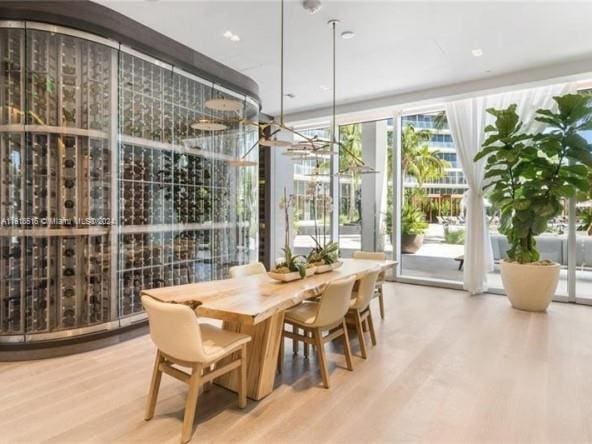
<point>529,287</point>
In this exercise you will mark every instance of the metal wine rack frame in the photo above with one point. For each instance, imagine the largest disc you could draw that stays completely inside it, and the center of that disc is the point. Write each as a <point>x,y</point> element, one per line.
<point>105,189</point>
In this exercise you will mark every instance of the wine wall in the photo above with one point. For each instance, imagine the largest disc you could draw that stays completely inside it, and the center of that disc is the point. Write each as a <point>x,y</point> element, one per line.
<point>106,188</point>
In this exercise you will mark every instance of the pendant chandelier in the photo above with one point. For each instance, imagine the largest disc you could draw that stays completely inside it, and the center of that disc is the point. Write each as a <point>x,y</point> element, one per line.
<point>308,147</point>
<point>357,165</point>
<point>211,124</point>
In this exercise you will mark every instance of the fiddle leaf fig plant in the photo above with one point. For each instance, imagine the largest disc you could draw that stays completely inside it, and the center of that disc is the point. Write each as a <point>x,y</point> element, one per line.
<point>529,176</point>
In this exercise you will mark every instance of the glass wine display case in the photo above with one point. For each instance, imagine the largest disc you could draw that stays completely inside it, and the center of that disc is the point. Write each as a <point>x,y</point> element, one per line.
<point>117,173</point>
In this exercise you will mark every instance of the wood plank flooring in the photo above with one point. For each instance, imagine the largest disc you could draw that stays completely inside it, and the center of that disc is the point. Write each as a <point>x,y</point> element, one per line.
<point>447,368</point>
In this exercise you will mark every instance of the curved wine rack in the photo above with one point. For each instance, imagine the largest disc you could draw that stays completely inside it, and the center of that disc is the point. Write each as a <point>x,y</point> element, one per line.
<point>105,188</point>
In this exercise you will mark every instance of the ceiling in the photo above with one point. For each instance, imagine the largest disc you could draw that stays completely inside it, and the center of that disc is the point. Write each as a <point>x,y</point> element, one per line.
<point>399,46</point>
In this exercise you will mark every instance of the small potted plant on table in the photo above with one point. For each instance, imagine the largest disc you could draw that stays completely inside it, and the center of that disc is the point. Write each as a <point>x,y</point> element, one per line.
<point>324,258</point>
<point>291,267</point>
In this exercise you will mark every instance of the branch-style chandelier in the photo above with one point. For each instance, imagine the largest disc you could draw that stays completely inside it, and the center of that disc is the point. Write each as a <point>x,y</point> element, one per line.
<point>307,147</point>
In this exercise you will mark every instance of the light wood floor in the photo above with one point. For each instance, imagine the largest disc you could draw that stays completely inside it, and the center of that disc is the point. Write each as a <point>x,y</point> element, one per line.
<point>447,368</point>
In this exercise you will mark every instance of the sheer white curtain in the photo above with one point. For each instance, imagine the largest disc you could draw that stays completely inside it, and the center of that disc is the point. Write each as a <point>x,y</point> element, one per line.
<point>467,119</point>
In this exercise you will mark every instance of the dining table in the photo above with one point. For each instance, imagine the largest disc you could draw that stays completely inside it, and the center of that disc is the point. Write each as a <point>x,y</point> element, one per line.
<point>255,305</point>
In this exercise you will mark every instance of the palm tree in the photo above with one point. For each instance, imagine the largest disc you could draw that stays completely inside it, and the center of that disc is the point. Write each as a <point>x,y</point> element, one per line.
<point>440,120</point>
<point>351,137</point>
<point>417,160</point>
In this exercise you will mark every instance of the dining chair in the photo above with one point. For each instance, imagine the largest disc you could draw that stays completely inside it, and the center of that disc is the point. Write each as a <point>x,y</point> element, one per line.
<point>359,313</point>
<point>377,256</point>
<point>316,317</point>
<point>182,341</point>
<point>247,270</point>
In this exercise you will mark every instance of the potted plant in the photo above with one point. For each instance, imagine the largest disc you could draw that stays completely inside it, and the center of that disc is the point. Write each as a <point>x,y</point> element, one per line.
<point>413,227</point>
<point>530,176</point>
<point>291,266</point>
<point>324,257</point>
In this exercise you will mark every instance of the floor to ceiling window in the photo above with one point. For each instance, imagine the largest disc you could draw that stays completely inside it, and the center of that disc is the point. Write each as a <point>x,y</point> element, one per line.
<point>365,200</point>
<point>311,191</point>
<point>432,212</point>
<point>432,216</point>
<point>583,240</point>
<point>350,190</point>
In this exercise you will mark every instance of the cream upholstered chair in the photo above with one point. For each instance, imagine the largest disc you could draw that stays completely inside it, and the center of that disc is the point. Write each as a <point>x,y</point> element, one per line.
<point>181,340</point>
<point>360,313</point>
<point>377,256</point>
<point>247,270</point>
<point>316,317</point>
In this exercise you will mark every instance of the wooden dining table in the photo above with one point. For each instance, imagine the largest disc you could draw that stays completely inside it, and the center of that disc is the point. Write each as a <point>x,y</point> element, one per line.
<point>255,305</point>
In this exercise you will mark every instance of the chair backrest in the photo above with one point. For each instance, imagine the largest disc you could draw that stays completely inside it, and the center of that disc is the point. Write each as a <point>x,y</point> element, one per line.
<point>247,270</point>
<point>366,289</point>
<point>174,329</point>
<point>376,255</point>
<point>335,301</point>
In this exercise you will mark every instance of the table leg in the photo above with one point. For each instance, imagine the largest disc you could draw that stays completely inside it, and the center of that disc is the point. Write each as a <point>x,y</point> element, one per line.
<point>262,355</point>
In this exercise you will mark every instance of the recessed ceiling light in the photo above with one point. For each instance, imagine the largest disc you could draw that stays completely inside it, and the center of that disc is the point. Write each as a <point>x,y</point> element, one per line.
<point>348,35</point>
<point>231,36</point>
<point>478,52</point>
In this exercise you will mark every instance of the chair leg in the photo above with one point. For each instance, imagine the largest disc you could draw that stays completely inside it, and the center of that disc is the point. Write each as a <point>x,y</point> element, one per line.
<point>322,357</point>
<point>381,304</point>
<point>154,386</point>
<point>370,322</point>
<point>295,341</point>
<point>280,359</point>
<point>346,347</point>
<point>191,403</point>
<point>306,344</point>
<point>360,332</point>
<point>208,385</point>
<point>242,390</point>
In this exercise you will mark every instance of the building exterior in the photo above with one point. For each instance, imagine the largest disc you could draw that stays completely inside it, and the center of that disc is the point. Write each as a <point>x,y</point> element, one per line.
<point>454,182</point>
<point>452,185</point>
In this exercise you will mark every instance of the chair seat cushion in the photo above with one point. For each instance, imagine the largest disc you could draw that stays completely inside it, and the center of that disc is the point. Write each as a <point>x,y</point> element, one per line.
<point>305,313</point>
<point>218,342</point>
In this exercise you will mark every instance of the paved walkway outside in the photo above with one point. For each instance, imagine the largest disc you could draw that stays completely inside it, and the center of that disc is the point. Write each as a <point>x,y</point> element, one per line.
<point>435,260</point>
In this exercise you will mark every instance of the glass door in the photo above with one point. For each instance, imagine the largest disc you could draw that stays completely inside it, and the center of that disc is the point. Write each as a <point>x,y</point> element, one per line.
<point>432,216</point>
